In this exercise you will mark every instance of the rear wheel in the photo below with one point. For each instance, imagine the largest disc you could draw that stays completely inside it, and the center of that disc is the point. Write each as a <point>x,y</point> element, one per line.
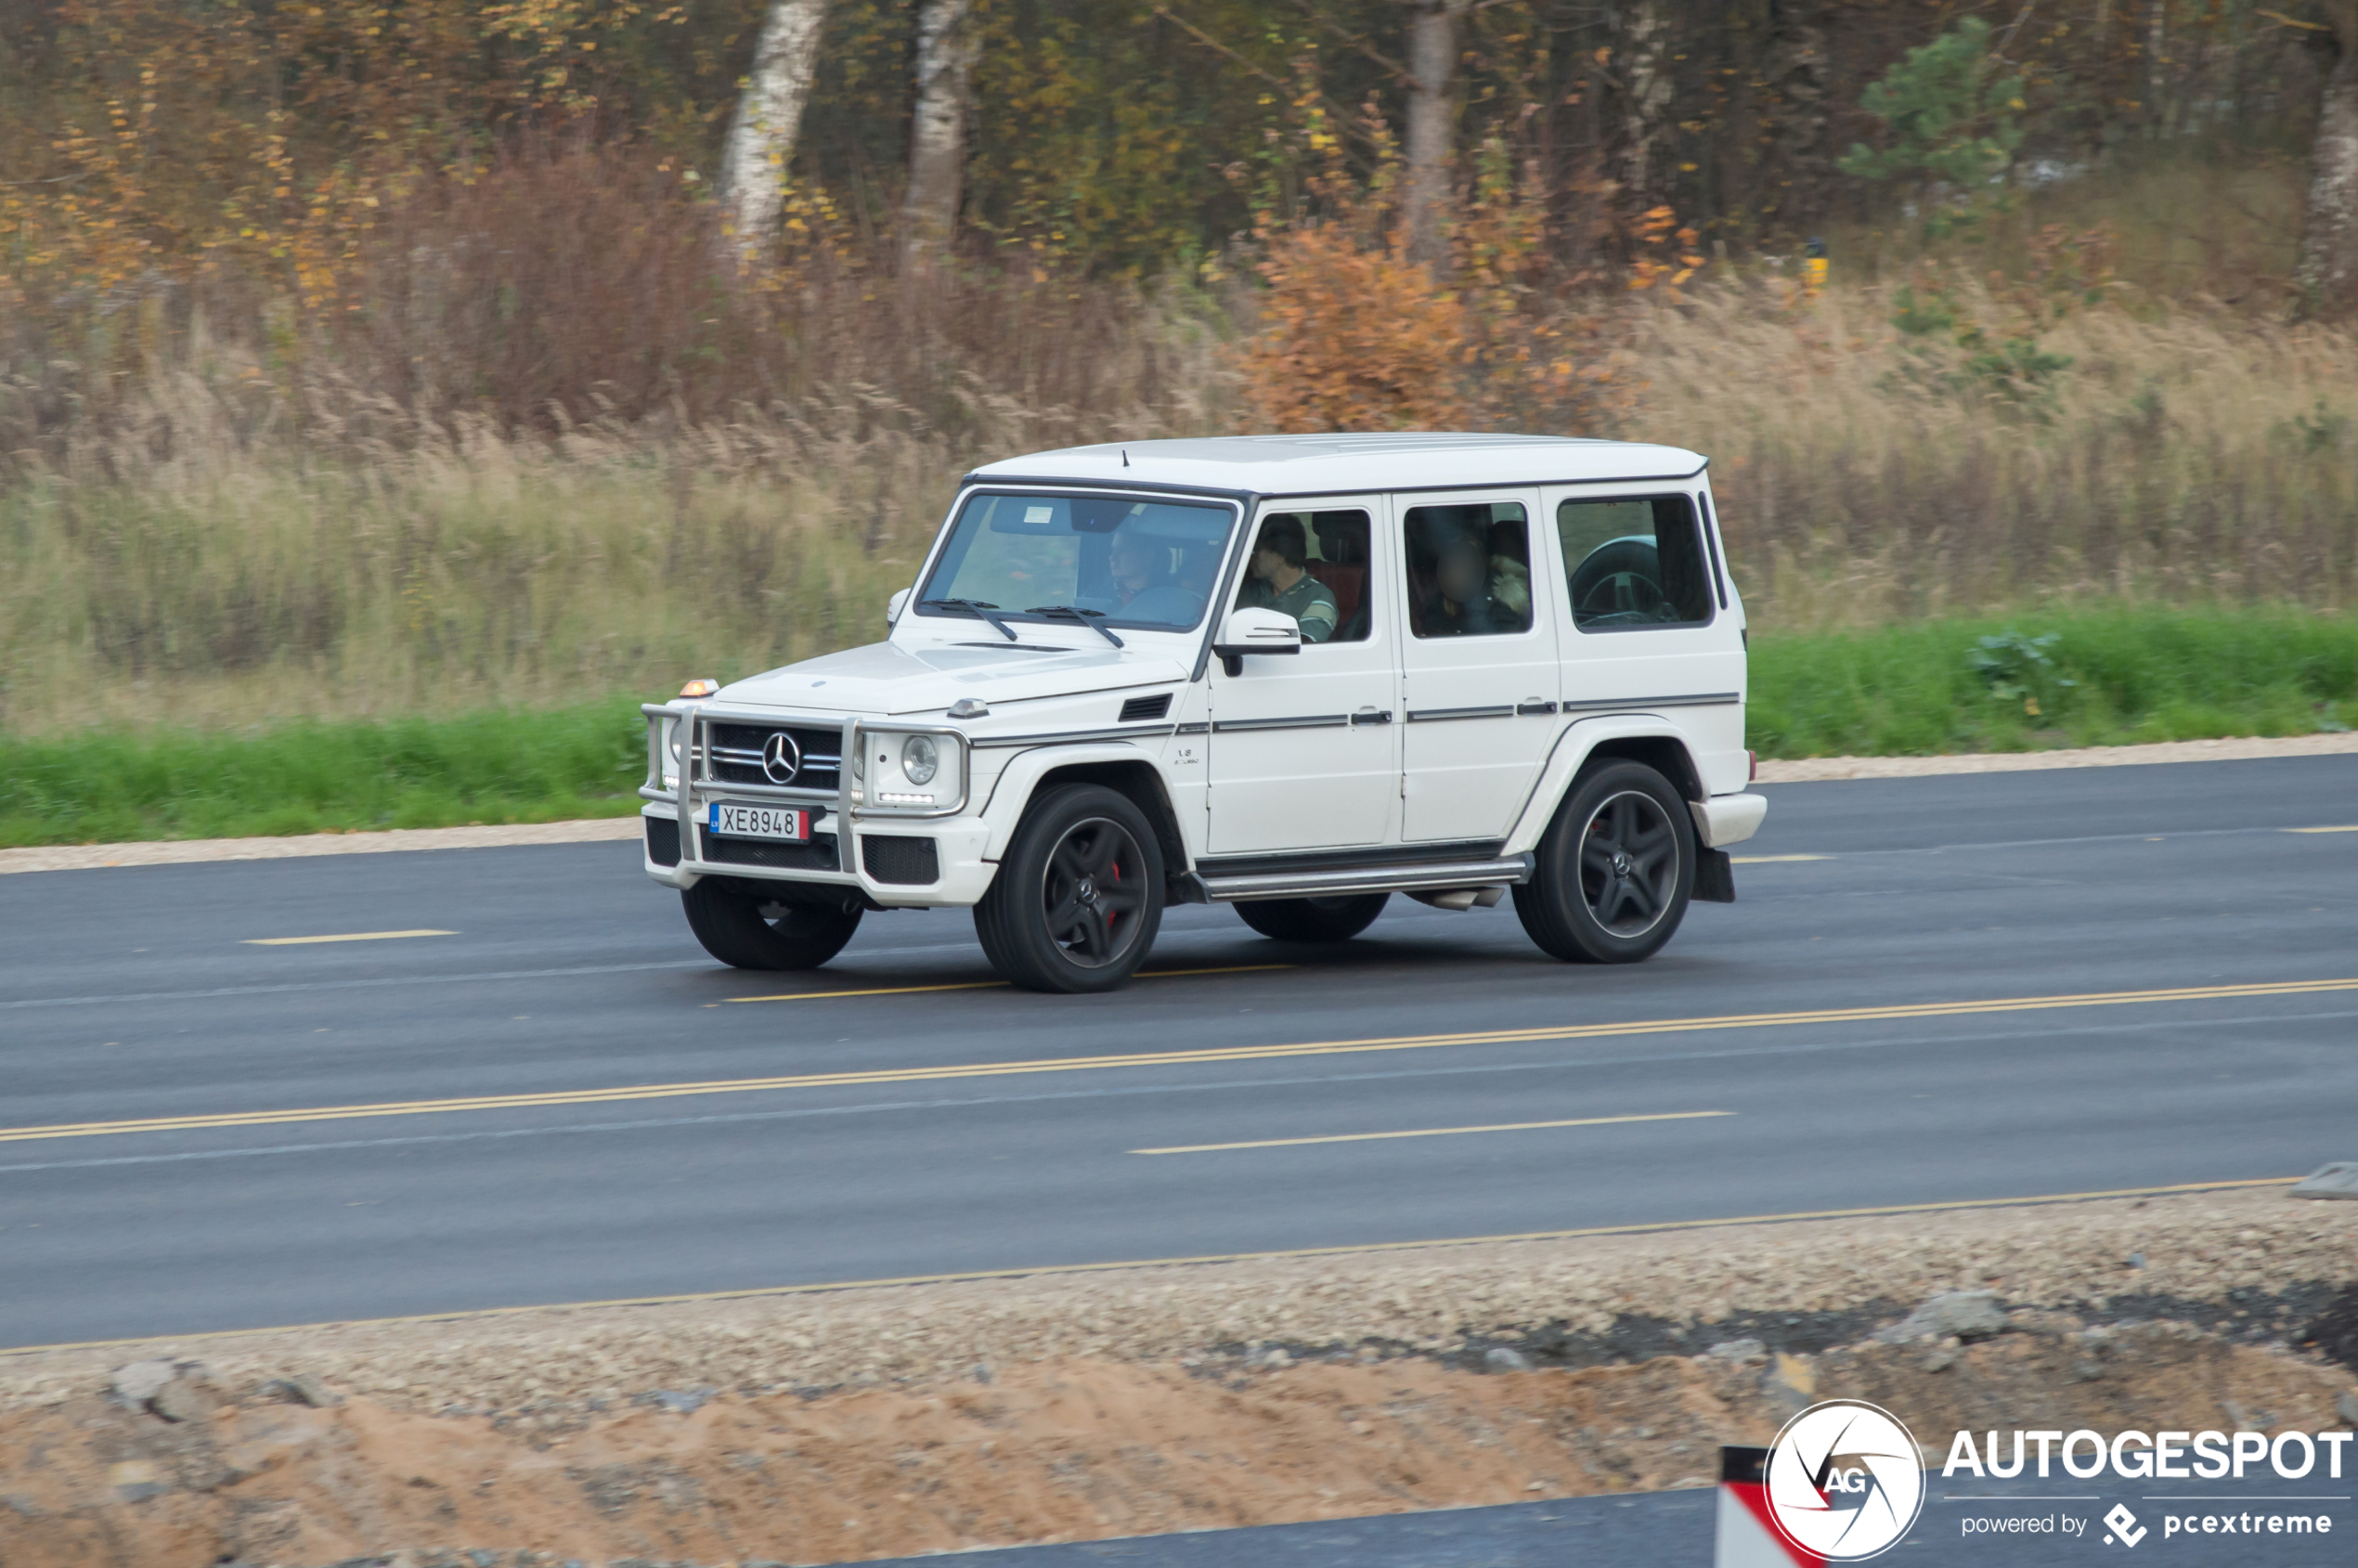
<point>1079,897</point>
<point>1614,870</point>
<point>1336,919</point>
<point>744,923</point>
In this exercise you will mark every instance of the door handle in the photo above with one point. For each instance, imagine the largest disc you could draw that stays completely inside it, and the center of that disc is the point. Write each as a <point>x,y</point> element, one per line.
<point>1535,704</point>
<point>1372,716</point>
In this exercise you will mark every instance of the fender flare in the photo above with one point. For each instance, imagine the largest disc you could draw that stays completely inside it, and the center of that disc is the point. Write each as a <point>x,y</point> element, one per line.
<point>1573,749</point>
<point>1020,779</point>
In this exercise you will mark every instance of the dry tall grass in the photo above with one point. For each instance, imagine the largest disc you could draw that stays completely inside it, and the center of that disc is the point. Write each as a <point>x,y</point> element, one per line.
<point>228,544</point>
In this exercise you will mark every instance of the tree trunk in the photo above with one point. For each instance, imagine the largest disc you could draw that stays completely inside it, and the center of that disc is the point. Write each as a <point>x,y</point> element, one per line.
<point>753,162</point>
<point>1642,54</point>
<point>2328,274</point>
<point>1432,70</point>
<point>946,48</point>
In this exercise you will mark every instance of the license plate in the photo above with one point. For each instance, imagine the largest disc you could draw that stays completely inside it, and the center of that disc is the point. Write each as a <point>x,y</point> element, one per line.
<point>733,821</point>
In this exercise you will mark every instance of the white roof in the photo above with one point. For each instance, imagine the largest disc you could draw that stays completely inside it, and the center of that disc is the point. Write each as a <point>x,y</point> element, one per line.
<point>1343,464</point>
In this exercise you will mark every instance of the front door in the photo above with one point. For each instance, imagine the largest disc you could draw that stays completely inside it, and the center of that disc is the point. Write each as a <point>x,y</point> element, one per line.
<point>1304,748</point>
<point>1478,669</point>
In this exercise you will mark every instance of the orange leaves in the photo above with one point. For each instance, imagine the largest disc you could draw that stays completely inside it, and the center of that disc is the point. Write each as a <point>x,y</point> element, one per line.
<point>1657,228</point>
<point>1353,337</point>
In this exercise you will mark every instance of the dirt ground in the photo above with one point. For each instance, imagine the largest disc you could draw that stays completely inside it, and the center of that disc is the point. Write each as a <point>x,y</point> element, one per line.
<point>1108,1403</point>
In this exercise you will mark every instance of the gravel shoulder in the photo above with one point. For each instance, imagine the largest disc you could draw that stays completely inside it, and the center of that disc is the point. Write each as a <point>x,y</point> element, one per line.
<point>883,1421</point>
<point>99,857</point>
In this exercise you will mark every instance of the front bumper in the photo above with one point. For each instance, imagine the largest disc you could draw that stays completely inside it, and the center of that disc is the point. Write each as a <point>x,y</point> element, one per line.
<point>892,859</point>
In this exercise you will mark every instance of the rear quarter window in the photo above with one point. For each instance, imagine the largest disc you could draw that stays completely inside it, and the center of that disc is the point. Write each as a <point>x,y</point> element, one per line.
<point>1633,563</point>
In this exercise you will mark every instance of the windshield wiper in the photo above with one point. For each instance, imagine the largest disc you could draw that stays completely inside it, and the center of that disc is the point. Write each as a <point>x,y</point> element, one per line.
<point>1077,612</point>
<point>975,607</point>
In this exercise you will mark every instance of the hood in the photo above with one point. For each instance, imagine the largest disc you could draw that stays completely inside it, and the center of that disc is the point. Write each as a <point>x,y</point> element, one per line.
<point>886,678</point>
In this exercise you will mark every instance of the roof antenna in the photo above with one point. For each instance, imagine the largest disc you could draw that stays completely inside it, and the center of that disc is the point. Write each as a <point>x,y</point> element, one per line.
<point>1125,456</point>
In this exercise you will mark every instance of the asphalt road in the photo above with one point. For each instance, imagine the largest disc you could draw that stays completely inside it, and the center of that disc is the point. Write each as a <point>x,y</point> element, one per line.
<point>137,996</point>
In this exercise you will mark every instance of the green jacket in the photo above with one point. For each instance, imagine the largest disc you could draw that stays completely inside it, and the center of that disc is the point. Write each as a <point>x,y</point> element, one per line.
<point>1308,602</point>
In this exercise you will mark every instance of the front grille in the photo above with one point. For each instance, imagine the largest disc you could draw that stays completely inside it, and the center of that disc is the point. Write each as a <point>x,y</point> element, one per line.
<point>820,854</point>
<point>904,862</point>
<point>663,840</point>
<point>737,749</point>
<point>1138,709</point>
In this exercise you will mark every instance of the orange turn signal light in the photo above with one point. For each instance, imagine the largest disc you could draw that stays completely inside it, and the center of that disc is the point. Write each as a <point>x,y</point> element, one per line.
<point>699,688</point>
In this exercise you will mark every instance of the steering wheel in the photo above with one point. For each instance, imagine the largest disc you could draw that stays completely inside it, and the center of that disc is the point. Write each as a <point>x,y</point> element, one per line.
<point>1621,581</point>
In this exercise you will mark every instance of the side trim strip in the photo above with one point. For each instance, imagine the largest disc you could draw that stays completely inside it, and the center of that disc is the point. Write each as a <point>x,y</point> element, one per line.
<point>1312,863</point>
<point>1701,699</point>
<point>1429,715</point>
<point>1071,737</point>
<point>1374,879</point>
<point>1317,721</point>
<point>1198,728</point>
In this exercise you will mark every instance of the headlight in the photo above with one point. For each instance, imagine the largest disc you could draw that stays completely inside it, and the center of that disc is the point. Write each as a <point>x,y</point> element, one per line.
<point>920,759</point>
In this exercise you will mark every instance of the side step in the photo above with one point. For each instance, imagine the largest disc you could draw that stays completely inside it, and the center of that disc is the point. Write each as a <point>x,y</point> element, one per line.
<point>1504,872</point>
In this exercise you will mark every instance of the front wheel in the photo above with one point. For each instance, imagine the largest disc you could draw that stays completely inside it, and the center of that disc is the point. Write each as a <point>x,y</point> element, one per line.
<point>742,923</point>
<point>1336,919</point>
<point>1079,897</point>
<point>1614,870</point>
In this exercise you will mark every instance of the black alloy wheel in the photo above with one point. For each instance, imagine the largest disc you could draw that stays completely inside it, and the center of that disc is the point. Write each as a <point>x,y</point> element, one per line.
<point>1614,871</point>
<point>1334,919</point>
<point>742,923</point>
<point>1079,897</point>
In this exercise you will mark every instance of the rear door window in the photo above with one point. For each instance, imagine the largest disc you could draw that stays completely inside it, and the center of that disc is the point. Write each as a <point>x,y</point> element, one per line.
<point>1634,561</point>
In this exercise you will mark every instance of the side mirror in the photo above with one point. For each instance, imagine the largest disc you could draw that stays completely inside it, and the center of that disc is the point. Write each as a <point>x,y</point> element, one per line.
<point>893,606</point>
<point>1255,631</point>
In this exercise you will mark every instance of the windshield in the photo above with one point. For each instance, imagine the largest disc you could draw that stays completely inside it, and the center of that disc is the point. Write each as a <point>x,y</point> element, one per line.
<point>1112,560</point>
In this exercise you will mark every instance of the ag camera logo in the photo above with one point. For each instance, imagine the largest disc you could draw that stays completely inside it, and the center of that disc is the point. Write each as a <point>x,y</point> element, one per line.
<point>1844,1481</point>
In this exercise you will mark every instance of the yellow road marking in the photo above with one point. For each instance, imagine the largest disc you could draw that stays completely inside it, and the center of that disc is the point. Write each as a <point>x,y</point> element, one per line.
<point>1436,1132</point>
<point>1774,860</point>
<point>1170,1058</point>
<point>346,937</point>
<point>999,985</point>
<point>1051,1270</point>
<point>2354,828</point>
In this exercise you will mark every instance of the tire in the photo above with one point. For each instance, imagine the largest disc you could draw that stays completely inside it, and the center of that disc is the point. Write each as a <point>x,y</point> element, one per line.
<point>1618,902</point>
<point>725,914</point>
<point>1336,919</point>
<point>1079,897</point>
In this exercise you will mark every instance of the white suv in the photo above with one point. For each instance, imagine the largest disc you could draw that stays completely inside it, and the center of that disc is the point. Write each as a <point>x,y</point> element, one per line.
<point>1294,674</point>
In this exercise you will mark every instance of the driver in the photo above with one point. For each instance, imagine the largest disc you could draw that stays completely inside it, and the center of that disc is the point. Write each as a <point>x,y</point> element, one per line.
<point>1132,562</point>
<point>1281,581</point>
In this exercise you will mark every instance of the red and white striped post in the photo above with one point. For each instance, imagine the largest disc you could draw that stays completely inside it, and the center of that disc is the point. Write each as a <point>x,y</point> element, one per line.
<point>1747,1537</point>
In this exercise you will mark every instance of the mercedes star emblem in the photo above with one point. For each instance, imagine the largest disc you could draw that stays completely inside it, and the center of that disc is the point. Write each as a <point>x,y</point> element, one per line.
<point>781,758</point>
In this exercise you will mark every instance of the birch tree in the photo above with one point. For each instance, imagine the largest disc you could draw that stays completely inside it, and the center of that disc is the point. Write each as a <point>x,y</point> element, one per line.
<point>1432,72</point>
<point>2328,272</point>
<point>753,160</point>
<point>947,48</point>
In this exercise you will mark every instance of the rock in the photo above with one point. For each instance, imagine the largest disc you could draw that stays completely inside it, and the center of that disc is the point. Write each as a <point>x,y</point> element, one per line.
<point>302,1389</point>
<point>2347,1408</point>
<point>981,1372</point>
<point>1941,1358</point>
<point>680,1402</point>
<point>1789,1386</point>
<point>184,1399</point>
<point>137,1383</point>
<point>1738,1350</point>
<point>1965,1313</point>
<point>1498,1359</point>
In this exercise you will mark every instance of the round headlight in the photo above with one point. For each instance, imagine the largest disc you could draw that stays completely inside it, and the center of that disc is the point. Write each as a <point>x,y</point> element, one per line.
<point>674,745</point>
<point>920,759</point>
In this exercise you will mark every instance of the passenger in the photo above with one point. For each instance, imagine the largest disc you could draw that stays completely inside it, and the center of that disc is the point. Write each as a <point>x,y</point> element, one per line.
<point>1460,605</point>
<point>1281,581</point>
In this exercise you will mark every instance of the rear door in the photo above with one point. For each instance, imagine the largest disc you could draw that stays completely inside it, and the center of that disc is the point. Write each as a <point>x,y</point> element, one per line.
<point>1304,748</point>
<point>1478,677</point>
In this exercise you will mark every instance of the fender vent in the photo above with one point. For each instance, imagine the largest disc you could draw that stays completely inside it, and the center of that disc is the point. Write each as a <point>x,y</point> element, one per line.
<point>1137,710</point>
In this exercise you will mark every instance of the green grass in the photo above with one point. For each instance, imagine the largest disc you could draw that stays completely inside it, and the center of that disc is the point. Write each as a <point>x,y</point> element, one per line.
<point>487,766</point>
<point>2109,676</point>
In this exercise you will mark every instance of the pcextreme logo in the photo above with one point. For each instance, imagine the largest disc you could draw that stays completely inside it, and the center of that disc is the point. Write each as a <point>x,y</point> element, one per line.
<point>1844,1481</point>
